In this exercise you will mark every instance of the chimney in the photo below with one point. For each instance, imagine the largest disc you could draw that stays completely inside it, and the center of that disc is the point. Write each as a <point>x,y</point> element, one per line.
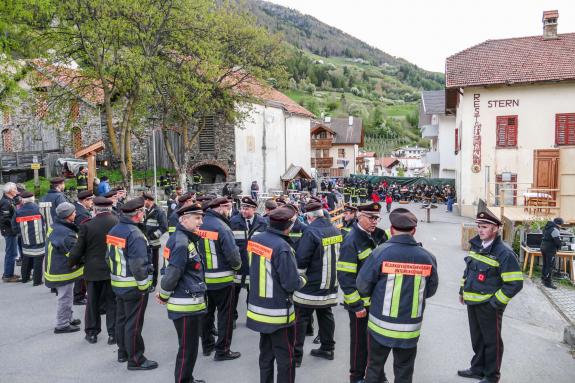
<point>350,120</point>
<point>550,24</point>
<point>327,119</point>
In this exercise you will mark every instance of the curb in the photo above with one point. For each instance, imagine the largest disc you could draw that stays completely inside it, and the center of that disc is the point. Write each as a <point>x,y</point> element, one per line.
<point>569,330</point>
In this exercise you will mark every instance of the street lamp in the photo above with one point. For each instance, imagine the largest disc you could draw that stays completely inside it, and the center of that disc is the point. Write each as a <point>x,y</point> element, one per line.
<point>154,129</point>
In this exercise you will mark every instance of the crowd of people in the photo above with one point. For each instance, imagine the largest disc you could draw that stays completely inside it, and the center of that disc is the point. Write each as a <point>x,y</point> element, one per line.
<point>292,260</point>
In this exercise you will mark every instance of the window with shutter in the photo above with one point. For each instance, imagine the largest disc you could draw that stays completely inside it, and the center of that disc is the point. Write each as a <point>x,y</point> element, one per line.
<point>456,140</point>
<point>507,127</point>
<point>208,134</point>
<point>565,129</point>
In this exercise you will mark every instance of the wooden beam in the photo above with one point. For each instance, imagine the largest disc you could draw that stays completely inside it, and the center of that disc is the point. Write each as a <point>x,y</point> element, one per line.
<point>90,150</point>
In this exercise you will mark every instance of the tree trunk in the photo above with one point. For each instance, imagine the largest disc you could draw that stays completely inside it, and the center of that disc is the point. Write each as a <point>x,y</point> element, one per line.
<point>110,119</point>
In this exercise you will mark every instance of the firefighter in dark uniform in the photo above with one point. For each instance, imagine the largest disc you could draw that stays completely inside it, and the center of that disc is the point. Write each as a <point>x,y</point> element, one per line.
<point>398,276</point>
<point>183,290</point>
<point>346,193</point>
<point>113,196</point>
<point>492,277</point>
<point>363,192</point>
<point>29,223</point>
<point>173,200</point>
<point>222,259</point>
<point>55,196</point>
<point>349,218</point>
<point>156,225</point>
<point>298,228</point>
<point>84,207</point>
<point>82,179</point>
<point>90,251</point>
<point>357,246</point>
<point>131,270</point>
<point>244,226</point>
<point>549,245</point>
<point>317,258</point>
<point>184,201</point>
<point>274,276</point>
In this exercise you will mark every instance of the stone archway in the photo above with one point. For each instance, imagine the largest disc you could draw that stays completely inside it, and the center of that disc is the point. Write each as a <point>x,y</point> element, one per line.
<point>211,171</point>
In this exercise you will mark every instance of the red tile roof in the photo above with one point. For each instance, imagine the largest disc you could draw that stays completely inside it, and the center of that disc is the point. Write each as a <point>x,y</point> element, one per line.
<point>387,162</point>
<point>265,93</point>
<point>513,61</point>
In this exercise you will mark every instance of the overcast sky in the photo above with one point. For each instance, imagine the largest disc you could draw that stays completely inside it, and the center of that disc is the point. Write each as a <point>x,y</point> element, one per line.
<point>425,32</point>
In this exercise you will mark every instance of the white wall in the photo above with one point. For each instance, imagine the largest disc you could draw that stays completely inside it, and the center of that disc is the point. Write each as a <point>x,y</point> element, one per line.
<point>281,131</point>
<point>538,105</point>
<point>446,146</point>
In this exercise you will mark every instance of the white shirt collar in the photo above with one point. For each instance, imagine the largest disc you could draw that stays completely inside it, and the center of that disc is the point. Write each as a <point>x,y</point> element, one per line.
<point>486,244</point>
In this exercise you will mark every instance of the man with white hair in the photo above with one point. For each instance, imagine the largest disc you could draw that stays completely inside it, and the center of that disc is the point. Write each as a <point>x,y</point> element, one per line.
<point>29,223</point>
<point>7,212</point>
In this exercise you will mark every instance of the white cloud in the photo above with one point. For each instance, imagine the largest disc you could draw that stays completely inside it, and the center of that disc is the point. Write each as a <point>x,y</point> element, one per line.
<point>426,32</point>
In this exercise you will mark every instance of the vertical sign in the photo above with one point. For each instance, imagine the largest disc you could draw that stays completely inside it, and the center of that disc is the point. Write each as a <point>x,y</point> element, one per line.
<point>476,166</point>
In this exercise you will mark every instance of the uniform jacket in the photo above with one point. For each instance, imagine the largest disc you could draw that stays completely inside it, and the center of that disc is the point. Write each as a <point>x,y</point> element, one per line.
<point>347,226</point>
<point>296,233</point>
<point>7,211</point>
<point>183,286</point>
<point>62,237</point>
<point>128,258</point>
<point>29,223</point>
<point>492,274</point>
<point>156,224</point>
<point>82,182</point>
<point>274,277</point>
<point>219,250</point>
<point>91,248</point>
<point>357,246</point>
<point>316,256</point>
<point>399,276</point>
<point>551,238</point>
<point>55,198</point>
<point>173,221</point>
<point>82,214</point>
<point>242,236</point>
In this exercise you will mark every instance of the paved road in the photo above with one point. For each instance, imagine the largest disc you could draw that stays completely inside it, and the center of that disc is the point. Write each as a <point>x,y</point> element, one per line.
<point>532,332</point>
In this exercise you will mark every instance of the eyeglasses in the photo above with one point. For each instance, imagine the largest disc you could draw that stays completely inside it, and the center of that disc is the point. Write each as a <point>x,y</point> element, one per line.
<point>372,218</point>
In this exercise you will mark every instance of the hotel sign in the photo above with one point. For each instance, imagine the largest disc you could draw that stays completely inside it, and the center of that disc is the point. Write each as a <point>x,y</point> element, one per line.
<point>476,164</point>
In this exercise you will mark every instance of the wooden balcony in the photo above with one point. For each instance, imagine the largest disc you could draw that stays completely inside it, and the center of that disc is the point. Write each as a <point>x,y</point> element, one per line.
<point>321,143</point>
<point>359,161</point>
<point>331,172</point>
<point>326,162</point>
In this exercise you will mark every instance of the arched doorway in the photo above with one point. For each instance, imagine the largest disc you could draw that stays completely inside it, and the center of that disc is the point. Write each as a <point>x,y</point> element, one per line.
<point>210,173</point>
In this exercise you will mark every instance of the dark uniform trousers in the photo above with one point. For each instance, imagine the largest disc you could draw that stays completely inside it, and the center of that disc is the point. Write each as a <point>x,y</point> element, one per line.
<point>29,264</point>
<point>548,264</point>
<point>357,347</point>
<point>326,325</point>
<point>188,328</point>
<point>278,346</point>
<point>485,329</point>
<point>222,300</point>
<point>100,294</point>
<point>155,251</point>
<point>403,362</point>
<point>237,291</point>
<point>130,311</point>
<point>79,290</point>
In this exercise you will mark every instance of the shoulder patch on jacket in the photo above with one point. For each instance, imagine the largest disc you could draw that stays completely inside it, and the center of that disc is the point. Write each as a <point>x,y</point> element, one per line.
<point>331,240</point>
<point>116,241</point>
<point>211,235</point>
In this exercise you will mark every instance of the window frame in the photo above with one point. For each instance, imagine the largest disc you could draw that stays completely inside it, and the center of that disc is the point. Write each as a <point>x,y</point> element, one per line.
<point>568,142</point>
<point>507,133</point>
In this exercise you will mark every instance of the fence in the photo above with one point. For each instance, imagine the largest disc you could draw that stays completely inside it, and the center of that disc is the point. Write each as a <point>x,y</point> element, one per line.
<point>536,201</point>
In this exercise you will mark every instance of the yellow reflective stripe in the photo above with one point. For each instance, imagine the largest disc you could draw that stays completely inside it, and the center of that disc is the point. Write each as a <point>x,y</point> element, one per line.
<point>209,263</point>
<point>396,297</point>
<point>502,297</point>
<point>262,281</point>
<point>164,295</point>
<point>364,254</point>
<point>392,333</point>
<point>475,297</point>
<point>415,303</point>
<point>512,276</point>
<point>462,282</point>
<point>186,308</point>
<point>388,233</point>
<point>64,277</point>
<point>351,298</point>
<point>171,229</point>
<point>366,301</point>
<point>124,283</point>
<point>118,261</point>
<point>331,240</point>
<point>271,319</point>
<point>144,285</point>
<point>484,259</point>
<point>49,260</point>
<point>348,229</point>
<point>348,267</point>
<point>296,235</point>
<point>226,279</point>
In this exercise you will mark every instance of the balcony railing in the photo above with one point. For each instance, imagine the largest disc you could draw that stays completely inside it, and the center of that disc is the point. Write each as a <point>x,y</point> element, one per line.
<point>325,162</point>
<point>432,158</point>
<point>321,143</point>
<point>429,131</point>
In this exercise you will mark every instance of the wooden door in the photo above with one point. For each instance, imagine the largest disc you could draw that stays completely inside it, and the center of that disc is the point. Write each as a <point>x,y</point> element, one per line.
<point>546,169</point>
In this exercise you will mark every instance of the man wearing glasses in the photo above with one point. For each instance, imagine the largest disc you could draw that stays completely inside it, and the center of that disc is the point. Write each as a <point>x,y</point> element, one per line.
<point>359,242</point>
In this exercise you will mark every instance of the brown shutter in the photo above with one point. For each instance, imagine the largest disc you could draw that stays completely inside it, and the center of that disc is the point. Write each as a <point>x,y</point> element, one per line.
<point>501,131</point>
<point>565,129</point>
<point>512,127</point>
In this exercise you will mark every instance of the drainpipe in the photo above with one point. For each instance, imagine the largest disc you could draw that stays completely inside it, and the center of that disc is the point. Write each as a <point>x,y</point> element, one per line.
<point>286,116</point>
<point>264,154</point>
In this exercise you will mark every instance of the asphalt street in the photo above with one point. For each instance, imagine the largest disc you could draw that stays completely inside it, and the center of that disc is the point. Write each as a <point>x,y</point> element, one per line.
<point>532,331</point>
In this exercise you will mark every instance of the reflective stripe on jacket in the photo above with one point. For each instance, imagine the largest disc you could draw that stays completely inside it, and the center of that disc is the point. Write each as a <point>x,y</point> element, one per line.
<point>62,237</point>
<point>274,277</point>
<point>29,223</point>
